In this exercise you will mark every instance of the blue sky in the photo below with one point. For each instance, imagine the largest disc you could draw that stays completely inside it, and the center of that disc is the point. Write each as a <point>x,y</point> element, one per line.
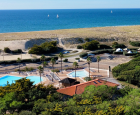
<point>68,4</point>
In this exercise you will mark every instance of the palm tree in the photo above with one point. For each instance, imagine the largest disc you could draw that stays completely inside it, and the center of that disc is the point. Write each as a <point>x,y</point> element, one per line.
<point>40,69</point>
<point>42,58</point>
<point>44,64</point>
<point>53,62</point>
<point>98,59</point>
<point>88,62</point>
<point>75,64</point>
<point>18,61</point>
<point>61,56</point>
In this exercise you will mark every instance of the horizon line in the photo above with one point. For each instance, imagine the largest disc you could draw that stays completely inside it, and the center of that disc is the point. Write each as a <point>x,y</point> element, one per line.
<point>70,9</point>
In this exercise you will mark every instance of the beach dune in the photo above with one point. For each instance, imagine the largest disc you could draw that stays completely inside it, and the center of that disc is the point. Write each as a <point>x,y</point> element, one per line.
<point>24,40</point>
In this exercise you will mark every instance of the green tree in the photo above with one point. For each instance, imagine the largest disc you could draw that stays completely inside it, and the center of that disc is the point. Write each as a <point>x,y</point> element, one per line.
<point>9,102</point>
<point>18,61</point>
<point>42,58</point>
<point>40,69</point>
<point>98,60</point>
<point>53,61</point>
<point>61,57</point>
<point>75,64</point>
<point>88,62</point>
<point>45,64</point>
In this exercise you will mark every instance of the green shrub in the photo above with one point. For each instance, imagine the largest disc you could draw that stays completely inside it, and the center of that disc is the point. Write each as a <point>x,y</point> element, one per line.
<point>65,60</point>
<point>134,43</point>
<point>103,46</point>
<point>47,47</point>
<point>17,51</point>
<point>117,52</point>
<point>36,50</point>
<point>55,70</point>
<point>26,69</point>
<point>7,50</point>
<point>92,45</point>
<point>83,55</point>
<point>103,51</point>
<point>77,58</point>
<point>79,47</point>
<point>87,79</point>
<point>119,46</point>
<point>72,68</point>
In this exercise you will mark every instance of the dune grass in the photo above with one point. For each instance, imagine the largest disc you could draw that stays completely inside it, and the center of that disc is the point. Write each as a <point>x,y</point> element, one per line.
<point>121,32</point>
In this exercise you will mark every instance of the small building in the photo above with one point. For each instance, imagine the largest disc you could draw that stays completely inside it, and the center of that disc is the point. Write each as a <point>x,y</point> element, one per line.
<point>119,50</point>
<point>126,49</point>
<point>79,88</point>
<point>129,52</point>
<point>67,82</point>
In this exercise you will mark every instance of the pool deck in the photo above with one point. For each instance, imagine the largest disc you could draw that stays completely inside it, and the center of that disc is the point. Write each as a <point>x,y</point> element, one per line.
<point>93,72</point>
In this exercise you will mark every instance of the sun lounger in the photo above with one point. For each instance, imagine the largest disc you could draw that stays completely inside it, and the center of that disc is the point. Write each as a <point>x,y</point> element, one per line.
<point>92,70</point>
<point>49,77</point>
<point>55,77</point>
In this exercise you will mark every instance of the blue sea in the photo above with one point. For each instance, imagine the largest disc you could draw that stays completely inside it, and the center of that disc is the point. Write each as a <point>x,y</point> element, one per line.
<point>37,20</point>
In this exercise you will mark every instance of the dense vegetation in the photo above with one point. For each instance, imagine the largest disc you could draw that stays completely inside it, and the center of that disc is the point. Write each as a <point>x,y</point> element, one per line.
<point>22,98</point>
<point>47,47</point>
<point>129,72</point>
<point>134,43</point>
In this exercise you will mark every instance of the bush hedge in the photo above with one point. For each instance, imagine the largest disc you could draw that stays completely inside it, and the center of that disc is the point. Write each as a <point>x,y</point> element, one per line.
<point>83,55</point>
<point>65,60</point>
<point>55,70</point>
<point>72,68</point>
<point>134,43</point>
<point>118,46</point>
<point>17,51</point>
<point>103,46</point>
<point>79,47</point>
<point>103,51</point>
<point>26,69</point>
<point>7,50</point>
<point>117,52</point>
<point>27,60</point>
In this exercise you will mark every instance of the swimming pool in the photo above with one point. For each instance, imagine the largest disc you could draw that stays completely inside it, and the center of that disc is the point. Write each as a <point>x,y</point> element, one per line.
<point>11,79</point>
<point>79,73</point>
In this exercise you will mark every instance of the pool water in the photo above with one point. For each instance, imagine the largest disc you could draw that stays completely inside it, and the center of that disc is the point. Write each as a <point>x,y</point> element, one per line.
<point>81,73</point>
<point>11,79</point>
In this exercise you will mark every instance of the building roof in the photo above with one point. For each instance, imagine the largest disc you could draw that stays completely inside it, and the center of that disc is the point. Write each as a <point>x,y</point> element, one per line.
<point>119,49</point>
<point>67,80</point>
<point>79,88</point>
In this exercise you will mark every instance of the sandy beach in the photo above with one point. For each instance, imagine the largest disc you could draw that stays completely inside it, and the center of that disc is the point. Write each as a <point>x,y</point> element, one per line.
<point>23,40</point>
